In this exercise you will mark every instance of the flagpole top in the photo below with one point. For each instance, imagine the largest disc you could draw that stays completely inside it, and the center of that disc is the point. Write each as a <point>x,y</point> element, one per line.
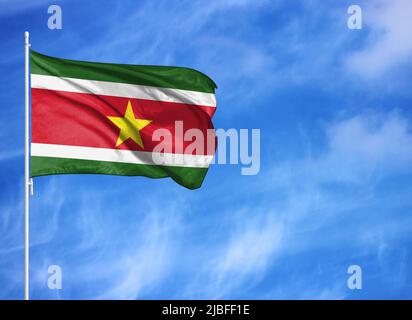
<point>26,37</point>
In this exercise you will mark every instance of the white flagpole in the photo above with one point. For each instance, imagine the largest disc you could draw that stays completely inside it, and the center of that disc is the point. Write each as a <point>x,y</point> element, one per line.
<point>27,180</point>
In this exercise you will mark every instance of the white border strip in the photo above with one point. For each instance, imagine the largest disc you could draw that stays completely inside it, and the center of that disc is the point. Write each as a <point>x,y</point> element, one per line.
<point>122,90</point>
<point>122,156</point>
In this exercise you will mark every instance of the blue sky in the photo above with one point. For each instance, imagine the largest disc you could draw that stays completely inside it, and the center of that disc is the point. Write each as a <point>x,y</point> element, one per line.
<point>333,106</point>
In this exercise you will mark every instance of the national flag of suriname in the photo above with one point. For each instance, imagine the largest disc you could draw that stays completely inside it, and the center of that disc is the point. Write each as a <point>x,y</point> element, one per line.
<point>120,119</point>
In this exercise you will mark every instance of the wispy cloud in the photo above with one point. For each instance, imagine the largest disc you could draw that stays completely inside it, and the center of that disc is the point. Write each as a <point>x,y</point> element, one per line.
<point>147,260</point>
<point>240,259</point>
<point>389,45</point>
<point>107,259</point>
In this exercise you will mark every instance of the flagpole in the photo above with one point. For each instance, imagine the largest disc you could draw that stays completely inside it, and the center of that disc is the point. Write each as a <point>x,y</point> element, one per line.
<point>27,181</point>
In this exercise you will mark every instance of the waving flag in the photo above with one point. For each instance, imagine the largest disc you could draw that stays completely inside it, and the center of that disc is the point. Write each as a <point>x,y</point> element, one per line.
<point>112,119</point>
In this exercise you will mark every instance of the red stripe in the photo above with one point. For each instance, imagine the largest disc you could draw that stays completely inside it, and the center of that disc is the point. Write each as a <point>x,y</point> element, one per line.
<point>80,119</point>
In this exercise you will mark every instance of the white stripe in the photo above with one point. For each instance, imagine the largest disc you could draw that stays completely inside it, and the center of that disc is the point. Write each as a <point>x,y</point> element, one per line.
<point>122,90</point>
<point>123,156</point>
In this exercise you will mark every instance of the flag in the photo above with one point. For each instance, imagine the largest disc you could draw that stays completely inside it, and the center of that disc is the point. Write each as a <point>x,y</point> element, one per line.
<point>119,119</point>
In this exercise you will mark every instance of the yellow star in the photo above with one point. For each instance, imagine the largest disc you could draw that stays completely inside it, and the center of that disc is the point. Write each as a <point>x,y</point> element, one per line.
<point>129,126</point>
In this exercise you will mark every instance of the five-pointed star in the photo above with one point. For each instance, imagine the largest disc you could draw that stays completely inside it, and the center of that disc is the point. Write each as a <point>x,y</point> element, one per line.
<point>129,126</point>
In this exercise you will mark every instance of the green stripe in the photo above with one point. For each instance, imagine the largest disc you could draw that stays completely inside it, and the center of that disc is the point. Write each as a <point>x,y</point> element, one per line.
<point>190,178</point>
<point>156,76</point>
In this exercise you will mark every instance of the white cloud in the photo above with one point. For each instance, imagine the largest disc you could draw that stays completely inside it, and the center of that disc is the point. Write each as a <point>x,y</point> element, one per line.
<point>142,265</point>
<point>249,249</point>
<point>370,140</point>
<point>359,150</point>
<point>390,43</point>
<point>118,260</point>
<point>240,259</point>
